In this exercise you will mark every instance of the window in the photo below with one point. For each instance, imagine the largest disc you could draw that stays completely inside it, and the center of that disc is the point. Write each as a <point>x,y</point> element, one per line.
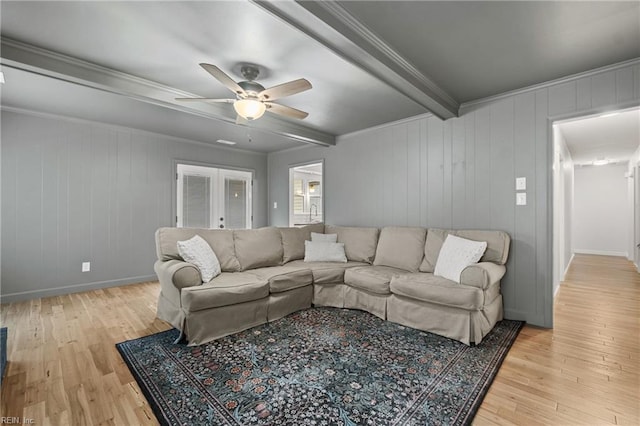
<point>210,197</point>
<point>306,194</point>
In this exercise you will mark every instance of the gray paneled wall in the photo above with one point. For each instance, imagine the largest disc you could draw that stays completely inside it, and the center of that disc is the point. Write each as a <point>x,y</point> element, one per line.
<point>78,191</point>
<point>461,174</point>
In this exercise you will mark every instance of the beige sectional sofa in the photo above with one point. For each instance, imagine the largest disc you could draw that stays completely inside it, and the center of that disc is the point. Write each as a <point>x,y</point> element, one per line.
<point>389,273</point>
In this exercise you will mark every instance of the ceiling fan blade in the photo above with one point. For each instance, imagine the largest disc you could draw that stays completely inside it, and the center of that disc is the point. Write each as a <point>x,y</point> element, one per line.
<point>285,89</point>
<point>227,101</point>
<point>287,111</point>
<point>223,78</point>
<point>242,120</point>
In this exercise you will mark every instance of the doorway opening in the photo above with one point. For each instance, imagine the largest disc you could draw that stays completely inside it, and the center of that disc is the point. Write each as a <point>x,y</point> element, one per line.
<point>306,194</point>
<point>212,197</point>
<point>596,193</point>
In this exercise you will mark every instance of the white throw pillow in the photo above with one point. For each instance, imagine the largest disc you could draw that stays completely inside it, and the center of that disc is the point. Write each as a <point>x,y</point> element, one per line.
<point>456,254</point>
<point>197,251</point>
<point>320,251</point>
<point>325,238</point>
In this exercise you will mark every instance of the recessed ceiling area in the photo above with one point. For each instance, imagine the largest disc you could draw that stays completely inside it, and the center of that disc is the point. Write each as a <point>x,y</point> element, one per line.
<point>612,136</point>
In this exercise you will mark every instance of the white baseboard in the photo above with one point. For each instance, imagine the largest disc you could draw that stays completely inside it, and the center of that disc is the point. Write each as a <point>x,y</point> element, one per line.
<point>564,274</point>
<point>57,291</point>
<point>601,252</point>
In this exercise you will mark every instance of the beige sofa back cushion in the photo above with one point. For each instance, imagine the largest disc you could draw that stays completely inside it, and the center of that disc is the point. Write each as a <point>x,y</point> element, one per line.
<point>401,247</point>
<point>293,240</point>
<point>256,248</point>
<point>359,243</point>
<point>432,246</point>
<point>497,245</point>
<point>221,241</point>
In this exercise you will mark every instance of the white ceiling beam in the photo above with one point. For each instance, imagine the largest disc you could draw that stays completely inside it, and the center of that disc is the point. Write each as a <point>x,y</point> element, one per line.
<point>334,27</point>
<point>22,56</point>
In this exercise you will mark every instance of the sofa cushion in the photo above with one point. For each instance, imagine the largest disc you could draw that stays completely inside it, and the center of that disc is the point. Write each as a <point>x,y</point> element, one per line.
<point>256,248</point>
<point>221,241</point>
<point>327,272</point>
<point>456,254</point>
<point>401,247</point>
<point>293,240</point>
<point>320,251</point>
<point>433,244</point>
<point>359,243</point>
<point>317,237</point>
<point>438,290</point>
<point>283,278</point>
<point>374,279</point>
<point>225,289</point>
<point>497,244</point>
<point>198,252</point>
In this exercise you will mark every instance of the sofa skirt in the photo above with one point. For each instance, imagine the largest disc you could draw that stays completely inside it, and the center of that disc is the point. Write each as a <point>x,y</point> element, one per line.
<point>373,303</point>
<point>170,313</point>
<point>210,324</point>
<point>329,295</point>
<point>288,302</point>
<point>455,323</point>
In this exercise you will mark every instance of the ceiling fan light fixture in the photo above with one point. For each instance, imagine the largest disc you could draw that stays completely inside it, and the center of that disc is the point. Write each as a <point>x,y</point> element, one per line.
<point>249,109</point>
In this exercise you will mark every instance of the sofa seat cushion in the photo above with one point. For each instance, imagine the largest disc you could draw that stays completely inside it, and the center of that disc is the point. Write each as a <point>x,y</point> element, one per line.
<point>283,278</point>
<point>326,272</point>
<point>374,279</point>
<point>225,289</point>
<point>429,288</point>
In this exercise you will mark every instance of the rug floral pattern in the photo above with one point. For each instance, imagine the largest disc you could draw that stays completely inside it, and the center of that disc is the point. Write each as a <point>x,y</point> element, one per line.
<point>321,366</point>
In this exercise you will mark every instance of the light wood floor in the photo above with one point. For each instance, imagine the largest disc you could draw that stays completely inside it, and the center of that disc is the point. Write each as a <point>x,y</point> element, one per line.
<point>64,369</point>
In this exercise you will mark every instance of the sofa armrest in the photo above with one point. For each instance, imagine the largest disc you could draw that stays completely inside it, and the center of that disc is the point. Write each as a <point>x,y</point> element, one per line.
<point>177,273</point>
<point>482,275</point>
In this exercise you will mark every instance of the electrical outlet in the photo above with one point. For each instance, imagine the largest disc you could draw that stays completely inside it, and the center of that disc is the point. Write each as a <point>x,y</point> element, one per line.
<point>275,204</point>
<point>521,199</point>
<point>86,266</point>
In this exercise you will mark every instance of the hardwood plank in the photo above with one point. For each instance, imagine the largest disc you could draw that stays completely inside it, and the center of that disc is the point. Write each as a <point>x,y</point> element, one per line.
<point>588,364</point>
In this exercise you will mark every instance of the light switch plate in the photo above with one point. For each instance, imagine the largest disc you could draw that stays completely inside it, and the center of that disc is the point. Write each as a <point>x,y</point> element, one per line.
<point>521,199</point>
<point>521,183</point>
<point>275,204</point>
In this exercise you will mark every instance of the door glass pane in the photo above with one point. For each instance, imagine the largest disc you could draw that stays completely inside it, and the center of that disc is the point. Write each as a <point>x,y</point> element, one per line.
<point>235,203</point>
<point>196,206</point>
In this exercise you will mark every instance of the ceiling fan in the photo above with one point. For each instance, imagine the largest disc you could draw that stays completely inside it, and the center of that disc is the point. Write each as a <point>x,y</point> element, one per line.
<point>252,99</point>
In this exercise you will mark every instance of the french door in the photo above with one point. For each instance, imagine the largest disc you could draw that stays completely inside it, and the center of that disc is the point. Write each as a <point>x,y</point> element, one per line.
<point>210,197</point>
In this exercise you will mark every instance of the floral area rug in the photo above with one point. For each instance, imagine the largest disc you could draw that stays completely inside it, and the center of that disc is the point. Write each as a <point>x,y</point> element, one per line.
<point>320,366</point>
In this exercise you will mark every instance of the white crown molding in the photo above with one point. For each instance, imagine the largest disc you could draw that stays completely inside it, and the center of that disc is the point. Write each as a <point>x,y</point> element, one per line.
<point>29,58</point>
<point>335,28</point>
<point>547,84</point>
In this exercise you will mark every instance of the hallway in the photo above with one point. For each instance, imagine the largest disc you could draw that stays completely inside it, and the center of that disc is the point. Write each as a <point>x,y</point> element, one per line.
<point>587,369</point>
